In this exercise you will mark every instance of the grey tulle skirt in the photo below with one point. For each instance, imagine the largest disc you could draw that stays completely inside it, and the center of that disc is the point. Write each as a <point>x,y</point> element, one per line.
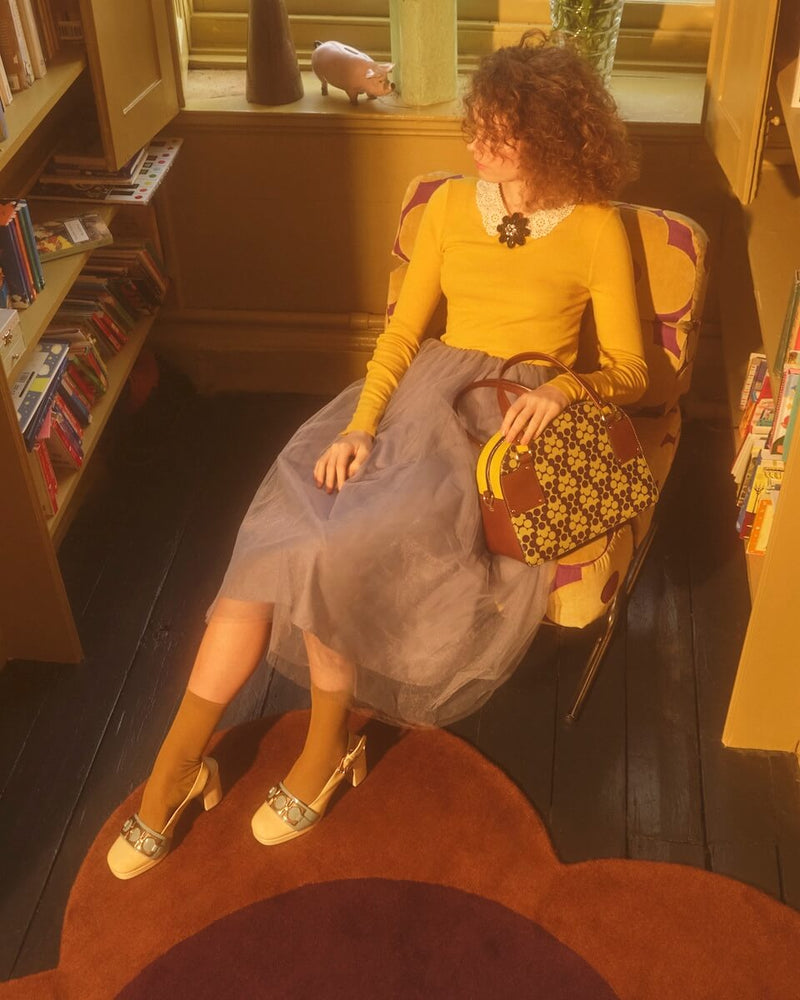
<point>392,571</point>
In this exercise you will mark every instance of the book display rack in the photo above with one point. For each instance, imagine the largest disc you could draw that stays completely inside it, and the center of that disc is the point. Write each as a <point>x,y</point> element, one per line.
<point>36,621</point>
<point>764,709</point>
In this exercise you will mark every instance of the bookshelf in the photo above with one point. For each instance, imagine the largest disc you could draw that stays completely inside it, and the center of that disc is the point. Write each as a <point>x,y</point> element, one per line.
<point>127,71</point>
<point>764,709</point>
<point>59,276</point>
<point>30,107</point>
<point>119,367</point>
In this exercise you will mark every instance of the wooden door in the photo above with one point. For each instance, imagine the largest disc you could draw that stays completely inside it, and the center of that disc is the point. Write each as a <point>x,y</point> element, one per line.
<point>130,50</point>
<point>739,69</point>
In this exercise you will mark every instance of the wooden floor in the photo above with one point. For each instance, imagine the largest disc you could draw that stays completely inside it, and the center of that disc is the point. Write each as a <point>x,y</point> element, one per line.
<point>642,775</point>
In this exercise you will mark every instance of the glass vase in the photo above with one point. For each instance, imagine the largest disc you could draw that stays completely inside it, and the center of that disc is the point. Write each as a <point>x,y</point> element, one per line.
<point>593,26</point>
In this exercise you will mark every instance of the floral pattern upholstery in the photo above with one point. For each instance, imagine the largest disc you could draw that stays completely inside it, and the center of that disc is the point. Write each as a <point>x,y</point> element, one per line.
<point>669,254</point>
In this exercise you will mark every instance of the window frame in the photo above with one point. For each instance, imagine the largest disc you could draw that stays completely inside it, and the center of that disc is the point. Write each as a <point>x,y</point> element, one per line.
<point>659,35</point>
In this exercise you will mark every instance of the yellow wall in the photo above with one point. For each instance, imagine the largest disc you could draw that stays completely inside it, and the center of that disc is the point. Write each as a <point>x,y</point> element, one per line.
<point>278,231</point>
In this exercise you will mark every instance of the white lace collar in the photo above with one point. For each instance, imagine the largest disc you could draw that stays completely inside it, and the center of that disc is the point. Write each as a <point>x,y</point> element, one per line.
<point>492,208</point>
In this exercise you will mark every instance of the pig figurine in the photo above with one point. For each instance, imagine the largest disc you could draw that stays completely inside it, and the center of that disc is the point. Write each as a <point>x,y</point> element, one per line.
<point>350,70</point>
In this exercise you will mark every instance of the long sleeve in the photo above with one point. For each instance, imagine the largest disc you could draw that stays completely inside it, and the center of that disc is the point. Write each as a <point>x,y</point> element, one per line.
<point>623,373</point>
<point>399,343</point>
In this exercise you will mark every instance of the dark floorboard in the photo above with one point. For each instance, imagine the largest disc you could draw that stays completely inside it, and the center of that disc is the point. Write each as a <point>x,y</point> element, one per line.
<point>642,774</point>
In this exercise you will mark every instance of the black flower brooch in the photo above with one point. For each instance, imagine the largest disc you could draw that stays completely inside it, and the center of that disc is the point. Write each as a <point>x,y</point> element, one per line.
<point>513,230</point>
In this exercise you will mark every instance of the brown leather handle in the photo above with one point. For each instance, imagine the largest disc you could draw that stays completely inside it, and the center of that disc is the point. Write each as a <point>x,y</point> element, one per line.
<point>500,384</point>
<point>555,363</point>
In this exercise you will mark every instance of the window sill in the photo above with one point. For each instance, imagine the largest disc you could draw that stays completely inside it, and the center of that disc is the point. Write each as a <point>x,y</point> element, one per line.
<point>648,101</point>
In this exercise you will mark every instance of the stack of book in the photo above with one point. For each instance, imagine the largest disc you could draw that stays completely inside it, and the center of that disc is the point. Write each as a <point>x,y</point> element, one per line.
<point>33,394</point>
<point>133,272</point>
<point>770,401</point>
<point>78,172</point>
<point>59,385</point>
<point>53,396</point>
<point>19,258</point>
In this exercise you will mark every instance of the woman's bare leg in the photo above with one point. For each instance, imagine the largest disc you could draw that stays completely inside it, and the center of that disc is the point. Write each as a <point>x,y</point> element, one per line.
<point>332,679</point>
<point>231,648</point>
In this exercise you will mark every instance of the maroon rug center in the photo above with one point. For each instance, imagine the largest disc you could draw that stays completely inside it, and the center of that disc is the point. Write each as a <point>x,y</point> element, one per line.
<point>370,938</point>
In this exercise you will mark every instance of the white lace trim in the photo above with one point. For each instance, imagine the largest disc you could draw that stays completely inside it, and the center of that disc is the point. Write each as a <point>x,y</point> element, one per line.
<point>492,209</point>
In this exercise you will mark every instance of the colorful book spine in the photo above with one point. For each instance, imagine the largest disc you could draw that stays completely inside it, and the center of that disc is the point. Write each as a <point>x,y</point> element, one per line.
<point>73,397</point>
<point>790,381</point>
<point>26,225</point>
<point>19,290</point>
<point>790,321</point>
<point>767,475</point>
<point>756,363</point>
<point>44,478</point>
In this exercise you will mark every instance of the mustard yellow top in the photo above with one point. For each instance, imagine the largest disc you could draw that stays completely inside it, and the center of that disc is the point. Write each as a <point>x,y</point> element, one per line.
<point>504,302</point>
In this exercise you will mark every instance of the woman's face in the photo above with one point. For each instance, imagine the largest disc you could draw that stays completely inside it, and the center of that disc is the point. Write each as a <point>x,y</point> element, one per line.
<point>497,163</point>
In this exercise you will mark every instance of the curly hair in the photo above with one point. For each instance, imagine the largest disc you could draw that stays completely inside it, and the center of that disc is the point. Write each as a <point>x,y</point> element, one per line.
<point>549,101</point>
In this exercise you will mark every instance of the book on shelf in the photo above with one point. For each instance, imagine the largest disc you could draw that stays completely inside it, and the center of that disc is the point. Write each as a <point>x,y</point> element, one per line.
<point>159,157</point>
<point>36,385</point>
<point>63,237</point>
<point>47,28</point>
<point>760,407</point>
<point>784,404</point>
<point>62,448</point>
<point>71,396</point>
<point>44,478</point>
<point>756,369</point>
<point>766,431</point>
<point>6,95</point>
<point>32,39</point>
<point>766,476</point>
<point>92,319</point>
<point>14,258</point>
<point>134,272</point>
<point>29,241</point>
<point>58,172</point>
<point>13,47</point>
<point>749,446</point>
<point>762,523</point>
<point>84,354</point>
<point>789,339</point>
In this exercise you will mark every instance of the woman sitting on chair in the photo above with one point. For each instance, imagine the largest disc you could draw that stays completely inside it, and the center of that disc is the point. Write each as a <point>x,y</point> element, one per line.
<point>360,567</point>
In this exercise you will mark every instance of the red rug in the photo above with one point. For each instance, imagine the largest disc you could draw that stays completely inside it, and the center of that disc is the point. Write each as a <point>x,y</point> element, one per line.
<point>435,878</point>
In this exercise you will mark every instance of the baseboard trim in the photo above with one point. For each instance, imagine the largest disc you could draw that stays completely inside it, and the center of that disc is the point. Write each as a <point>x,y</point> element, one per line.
<point>251,351</point>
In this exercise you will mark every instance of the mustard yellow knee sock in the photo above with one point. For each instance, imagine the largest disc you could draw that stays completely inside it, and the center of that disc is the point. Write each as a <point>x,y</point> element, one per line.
<point>179,758</point>
<point>326,744</point>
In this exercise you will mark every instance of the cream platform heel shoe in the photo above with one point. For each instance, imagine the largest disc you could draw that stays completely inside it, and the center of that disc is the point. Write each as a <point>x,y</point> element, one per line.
<point>283,816</point>
<point>138,847</point>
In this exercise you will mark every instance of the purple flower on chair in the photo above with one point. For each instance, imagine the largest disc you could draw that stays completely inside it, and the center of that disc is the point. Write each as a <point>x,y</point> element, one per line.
<point>513,230</point>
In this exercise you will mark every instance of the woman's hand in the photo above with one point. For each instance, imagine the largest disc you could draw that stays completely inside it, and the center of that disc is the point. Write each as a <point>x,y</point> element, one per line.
<point>342,460</point>
<point>530,413</point>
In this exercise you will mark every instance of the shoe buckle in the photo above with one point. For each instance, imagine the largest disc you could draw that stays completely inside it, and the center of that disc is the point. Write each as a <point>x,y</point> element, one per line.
<point>142,838</point>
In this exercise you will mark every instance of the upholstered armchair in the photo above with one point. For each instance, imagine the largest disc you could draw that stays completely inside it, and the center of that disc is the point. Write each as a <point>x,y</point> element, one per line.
<point>669,255</point>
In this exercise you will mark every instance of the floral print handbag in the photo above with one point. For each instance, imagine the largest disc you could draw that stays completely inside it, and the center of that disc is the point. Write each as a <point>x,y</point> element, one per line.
<point>584,475</point>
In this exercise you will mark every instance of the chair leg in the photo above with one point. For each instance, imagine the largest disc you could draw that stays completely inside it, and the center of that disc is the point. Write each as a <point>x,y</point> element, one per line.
<point>595,658</point>
<point>612,616</point>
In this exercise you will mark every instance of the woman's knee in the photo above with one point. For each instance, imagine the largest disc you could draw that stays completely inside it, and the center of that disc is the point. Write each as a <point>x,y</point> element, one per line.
<point>229,611</point>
